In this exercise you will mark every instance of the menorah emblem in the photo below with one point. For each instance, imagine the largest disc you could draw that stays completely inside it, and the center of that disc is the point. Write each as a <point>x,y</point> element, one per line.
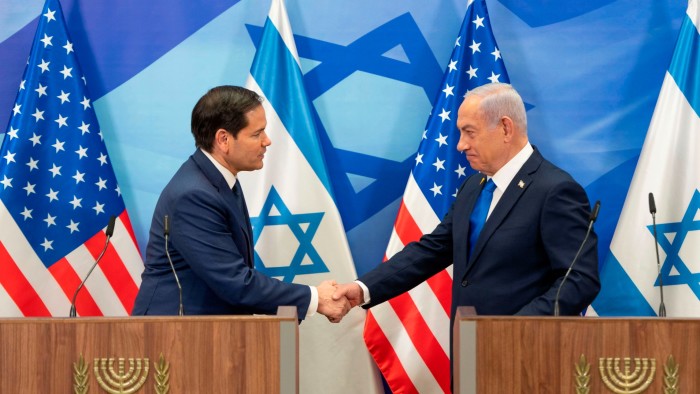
<point>625,379</point>
<point>120,380</point>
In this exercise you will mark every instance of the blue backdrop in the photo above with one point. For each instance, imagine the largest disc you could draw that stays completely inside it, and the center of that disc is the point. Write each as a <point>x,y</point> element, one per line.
<point>590,73</point>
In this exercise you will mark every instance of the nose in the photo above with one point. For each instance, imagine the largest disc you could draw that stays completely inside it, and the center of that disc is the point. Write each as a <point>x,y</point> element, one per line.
<point>462,144</point>
<point>266,141</point>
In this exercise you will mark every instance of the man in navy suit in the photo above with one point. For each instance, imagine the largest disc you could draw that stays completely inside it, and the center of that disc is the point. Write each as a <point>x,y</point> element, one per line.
<point>534,224</point>
<point>210,236</point>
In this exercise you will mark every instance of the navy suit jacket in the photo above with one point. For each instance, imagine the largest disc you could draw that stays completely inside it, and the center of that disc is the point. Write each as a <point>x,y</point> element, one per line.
<point>521,256</point>
<point>211,249</point>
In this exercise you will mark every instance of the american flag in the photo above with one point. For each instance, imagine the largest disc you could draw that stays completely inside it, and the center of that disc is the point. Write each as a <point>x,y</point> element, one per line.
<point>409,336</point>
<point>58,191</point>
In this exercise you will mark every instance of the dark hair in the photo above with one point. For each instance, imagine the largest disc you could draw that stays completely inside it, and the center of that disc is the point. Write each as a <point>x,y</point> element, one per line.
<point>222,107</point>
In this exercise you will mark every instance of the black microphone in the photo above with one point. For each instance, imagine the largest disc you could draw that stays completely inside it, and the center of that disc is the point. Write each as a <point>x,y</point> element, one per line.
<point>591,219</point>
<point>108,232</point>
<point>652,210</point>
<point>166,234</point>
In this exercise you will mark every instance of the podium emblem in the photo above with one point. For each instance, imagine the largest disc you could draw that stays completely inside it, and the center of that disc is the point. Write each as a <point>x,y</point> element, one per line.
<point>620,376</point>
<point>121,375</point>
<point>120,379</point>
<point>626,375</point>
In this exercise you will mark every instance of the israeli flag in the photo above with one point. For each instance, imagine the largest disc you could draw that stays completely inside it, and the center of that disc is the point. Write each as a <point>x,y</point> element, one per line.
<point>298,233</point>
<point>669,167</point>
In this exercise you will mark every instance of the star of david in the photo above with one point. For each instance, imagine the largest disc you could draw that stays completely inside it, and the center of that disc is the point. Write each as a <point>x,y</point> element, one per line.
<point>296,223</point>
<point>672,244</point>
<point>367,54</point>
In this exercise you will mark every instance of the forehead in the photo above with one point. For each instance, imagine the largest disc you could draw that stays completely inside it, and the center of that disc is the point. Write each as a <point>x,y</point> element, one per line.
<point>469,112</point>
<point>256,116</point>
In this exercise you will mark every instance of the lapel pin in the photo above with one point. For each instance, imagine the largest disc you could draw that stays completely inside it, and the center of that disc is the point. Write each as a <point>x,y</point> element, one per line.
<point>521,184</point>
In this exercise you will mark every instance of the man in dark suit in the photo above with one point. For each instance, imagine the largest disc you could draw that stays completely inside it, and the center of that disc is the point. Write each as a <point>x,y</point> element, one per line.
<point>535,222</point>
<point>210,242</point>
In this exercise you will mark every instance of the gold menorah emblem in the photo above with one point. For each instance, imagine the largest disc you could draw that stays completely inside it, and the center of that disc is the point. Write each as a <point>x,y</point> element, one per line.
<point>624,379</point>
<point>120,380</point>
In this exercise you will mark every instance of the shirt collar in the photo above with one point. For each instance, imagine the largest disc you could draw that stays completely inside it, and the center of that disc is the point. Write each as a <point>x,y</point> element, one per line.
<point>505,175</point>
<point>228,175</point>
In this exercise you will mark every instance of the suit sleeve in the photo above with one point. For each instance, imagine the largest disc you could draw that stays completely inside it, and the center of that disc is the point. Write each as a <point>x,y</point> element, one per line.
<point>563,223</point>
<point>417,262</point>
<point>202,234</point>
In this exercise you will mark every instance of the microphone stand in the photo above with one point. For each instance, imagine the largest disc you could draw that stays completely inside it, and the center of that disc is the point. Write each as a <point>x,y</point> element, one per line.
<point>166,234</point>
<point>652,210</point>
<point>591,220</point>
<point>108,232</point>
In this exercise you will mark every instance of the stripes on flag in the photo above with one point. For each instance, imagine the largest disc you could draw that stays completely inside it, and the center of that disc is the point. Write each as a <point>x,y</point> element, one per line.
<point>409,336</point>
<point>58,192</point>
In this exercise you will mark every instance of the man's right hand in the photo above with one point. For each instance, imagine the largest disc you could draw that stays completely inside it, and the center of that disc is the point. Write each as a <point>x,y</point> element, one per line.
<point>352,291</point>
<point>333,308</point>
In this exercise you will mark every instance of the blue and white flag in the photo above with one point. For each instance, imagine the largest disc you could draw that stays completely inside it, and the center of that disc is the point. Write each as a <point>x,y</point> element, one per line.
<point>669,167</point>
<point>298,233</point>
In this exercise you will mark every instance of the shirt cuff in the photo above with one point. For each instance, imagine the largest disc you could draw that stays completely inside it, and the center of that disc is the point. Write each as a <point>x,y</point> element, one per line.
<point>313,303</point>
<point>365,293</point>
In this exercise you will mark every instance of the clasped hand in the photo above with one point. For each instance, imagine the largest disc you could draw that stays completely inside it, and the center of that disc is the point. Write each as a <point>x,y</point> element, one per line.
<point>335,301</point>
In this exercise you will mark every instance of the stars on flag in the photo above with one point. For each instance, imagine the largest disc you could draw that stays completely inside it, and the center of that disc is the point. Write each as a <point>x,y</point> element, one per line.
<point>44,66</point>
<point>46,40</point>
<point>50,148</point>
<point>38,115</point>
<point>68,47</point>
<point>478,22</point>
<point>10,157</point>
<point>7,182</point>
<point>475,60</point>
<point>50,15</point>
<point>63,97</point>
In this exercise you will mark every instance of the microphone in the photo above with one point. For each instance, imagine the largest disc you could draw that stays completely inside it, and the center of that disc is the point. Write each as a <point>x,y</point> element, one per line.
<point>591,219</point>
<point>108,232</point>
<point>166,234</point>
<point>652,210</point>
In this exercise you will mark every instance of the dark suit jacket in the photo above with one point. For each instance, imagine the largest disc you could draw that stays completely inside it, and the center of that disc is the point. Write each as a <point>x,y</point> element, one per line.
<point>211,251</point>
<point>522,253</point>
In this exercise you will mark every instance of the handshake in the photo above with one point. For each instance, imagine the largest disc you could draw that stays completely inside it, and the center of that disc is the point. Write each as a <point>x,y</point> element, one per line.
<point>335,300</point>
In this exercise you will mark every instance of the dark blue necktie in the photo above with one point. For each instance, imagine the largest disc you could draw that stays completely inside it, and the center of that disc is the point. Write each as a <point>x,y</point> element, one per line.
<point>240,201</point>
<point>479,214</point>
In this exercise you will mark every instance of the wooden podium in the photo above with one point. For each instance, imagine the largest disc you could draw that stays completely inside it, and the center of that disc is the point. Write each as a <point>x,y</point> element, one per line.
<point>508,354</point>
<point>200,354</point>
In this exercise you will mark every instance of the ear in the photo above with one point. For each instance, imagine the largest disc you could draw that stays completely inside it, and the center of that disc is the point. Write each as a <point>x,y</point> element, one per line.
<point>221,140</point>
<point>508,128</point>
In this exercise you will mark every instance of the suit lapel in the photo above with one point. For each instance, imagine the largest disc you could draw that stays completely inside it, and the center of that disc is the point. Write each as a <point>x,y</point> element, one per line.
<point>466,199</point>
<point>218,181</point>
<point>512,194</point>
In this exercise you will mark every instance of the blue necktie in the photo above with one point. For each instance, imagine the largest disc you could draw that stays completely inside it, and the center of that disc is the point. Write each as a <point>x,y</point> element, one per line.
<point>479,214</point>
<point>240,201</point>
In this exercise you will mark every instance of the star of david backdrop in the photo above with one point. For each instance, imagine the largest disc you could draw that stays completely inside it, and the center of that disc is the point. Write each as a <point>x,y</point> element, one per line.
<point>678,269</point>
<point>590,73</point>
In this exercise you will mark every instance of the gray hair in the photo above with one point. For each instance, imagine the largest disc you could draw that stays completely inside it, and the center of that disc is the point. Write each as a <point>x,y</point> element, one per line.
<point>498,100</point>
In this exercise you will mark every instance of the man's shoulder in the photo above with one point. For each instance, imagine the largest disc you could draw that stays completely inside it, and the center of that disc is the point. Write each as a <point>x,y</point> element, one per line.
<point>188,178</point>
<point>547,170</point>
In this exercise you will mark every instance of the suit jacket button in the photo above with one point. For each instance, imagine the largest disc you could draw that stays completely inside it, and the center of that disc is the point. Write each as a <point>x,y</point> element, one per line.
<point>465,283</point>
